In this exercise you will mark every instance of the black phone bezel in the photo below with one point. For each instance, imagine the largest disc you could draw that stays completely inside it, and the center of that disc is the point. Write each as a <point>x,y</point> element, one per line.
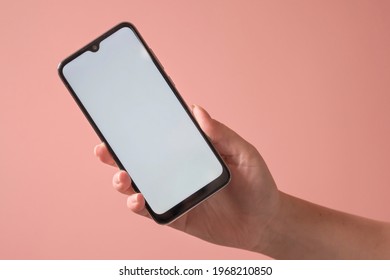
<point>195,198</point>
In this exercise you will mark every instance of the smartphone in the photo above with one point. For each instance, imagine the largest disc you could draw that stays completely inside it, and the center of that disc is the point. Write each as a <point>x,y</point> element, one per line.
<point>135,109</point>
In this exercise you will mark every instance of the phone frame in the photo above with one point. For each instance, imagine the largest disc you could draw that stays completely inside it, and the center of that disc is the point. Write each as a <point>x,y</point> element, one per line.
<point>200,195</point>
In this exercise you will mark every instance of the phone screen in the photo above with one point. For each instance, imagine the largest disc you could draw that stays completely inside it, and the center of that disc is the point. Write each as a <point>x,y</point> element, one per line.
<point>137,111</point>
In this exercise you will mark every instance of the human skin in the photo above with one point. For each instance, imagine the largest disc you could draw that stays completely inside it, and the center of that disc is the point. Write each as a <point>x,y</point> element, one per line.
<point>252,214</point>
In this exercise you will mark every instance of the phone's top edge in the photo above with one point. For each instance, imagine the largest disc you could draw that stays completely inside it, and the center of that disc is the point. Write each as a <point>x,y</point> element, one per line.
<point>120,25</point>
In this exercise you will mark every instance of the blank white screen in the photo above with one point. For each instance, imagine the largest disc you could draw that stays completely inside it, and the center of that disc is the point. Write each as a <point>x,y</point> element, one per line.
<point>142,120</point>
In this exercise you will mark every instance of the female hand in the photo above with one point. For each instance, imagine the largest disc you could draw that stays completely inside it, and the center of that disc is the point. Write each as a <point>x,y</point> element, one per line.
<point>237,215</point>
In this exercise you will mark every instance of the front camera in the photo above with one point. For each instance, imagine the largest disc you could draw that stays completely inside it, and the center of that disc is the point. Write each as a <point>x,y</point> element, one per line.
<point>95,47</point>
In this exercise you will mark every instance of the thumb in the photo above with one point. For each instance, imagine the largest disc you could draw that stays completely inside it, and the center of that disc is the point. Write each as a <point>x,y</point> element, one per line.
<point>228,143</point>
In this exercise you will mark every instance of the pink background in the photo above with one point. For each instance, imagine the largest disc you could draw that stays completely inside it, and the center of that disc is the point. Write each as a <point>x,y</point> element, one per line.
<point>307,82</point>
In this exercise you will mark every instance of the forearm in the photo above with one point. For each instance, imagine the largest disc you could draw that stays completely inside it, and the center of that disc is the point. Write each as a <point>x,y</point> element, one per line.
<point>303,230</point>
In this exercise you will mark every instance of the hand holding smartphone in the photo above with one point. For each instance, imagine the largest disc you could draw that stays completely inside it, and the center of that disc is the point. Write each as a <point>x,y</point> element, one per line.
<point>136,110</point>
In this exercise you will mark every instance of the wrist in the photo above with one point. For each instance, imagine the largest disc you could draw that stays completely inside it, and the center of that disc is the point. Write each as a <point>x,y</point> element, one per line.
<point>264,235</point>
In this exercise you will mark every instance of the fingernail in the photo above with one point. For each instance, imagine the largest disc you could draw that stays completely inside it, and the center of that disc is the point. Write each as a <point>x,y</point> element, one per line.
<point>116,178</point>
<point>95,150</point>
<point>134,198</point>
